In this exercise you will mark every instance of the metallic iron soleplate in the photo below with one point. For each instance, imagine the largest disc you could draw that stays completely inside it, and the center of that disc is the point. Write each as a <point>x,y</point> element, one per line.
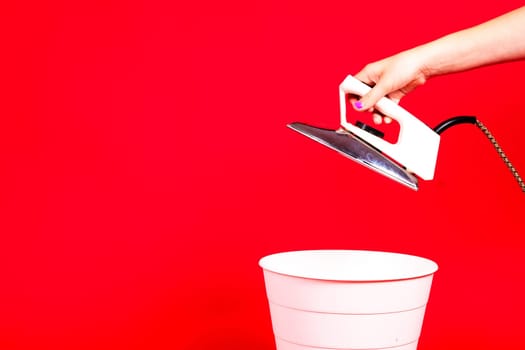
<point>354,148</point>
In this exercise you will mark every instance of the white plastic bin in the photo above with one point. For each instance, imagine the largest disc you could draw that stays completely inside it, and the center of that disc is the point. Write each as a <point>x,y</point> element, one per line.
<point>347,299</point>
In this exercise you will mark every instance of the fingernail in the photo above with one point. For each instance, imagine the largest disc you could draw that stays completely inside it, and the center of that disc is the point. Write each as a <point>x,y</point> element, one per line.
<point>358,104</point>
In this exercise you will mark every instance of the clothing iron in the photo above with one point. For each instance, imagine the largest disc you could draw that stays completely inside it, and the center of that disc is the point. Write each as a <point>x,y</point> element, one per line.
<point>413,154</point>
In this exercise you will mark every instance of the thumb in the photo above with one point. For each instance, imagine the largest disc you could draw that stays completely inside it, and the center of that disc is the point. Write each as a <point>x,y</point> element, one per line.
<point>369,100</point>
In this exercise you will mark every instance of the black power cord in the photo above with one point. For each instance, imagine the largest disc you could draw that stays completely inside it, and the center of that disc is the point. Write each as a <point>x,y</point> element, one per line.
<point>473,120</point>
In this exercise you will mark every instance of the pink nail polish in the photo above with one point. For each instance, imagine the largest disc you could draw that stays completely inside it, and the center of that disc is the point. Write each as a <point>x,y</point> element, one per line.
<point>358,104</point>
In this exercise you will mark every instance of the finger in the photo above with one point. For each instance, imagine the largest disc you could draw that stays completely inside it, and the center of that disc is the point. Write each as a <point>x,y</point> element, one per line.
<point>353,98</point>
<point>394,99</point>
<point>364,77</point>
<point>371,98</point>
<point>377,118</point>
<point>396,96</point>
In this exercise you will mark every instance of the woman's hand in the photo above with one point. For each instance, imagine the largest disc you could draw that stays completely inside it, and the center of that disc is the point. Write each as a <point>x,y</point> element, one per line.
<point>393,77</point>
<point>495,41</point>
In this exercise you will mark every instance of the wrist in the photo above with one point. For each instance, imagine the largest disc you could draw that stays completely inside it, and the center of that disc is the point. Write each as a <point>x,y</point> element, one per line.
<point>423,61</point>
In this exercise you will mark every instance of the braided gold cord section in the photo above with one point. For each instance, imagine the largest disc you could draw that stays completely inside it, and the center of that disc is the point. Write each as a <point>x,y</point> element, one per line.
<point>501,154</point>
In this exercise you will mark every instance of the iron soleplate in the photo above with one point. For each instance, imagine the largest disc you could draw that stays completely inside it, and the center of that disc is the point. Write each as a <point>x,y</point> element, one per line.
<point>356,149</point>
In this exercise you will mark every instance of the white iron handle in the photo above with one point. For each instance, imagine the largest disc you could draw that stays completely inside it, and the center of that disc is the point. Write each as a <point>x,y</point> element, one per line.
<point>417,145</point>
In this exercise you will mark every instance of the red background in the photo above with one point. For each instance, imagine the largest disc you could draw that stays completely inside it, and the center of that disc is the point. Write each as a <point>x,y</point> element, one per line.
<point>145,167</point>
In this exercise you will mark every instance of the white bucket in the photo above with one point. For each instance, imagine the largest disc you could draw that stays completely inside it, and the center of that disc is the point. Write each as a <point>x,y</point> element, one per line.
<point>347,299</point>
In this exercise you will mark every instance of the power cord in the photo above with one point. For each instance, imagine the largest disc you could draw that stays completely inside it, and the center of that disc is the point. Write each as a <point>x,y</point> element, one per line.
<point>473,120</point>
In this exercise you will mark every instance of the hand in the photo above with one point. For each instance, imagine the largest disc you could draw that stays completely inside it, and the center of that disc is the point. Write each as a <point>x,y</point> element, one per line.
<point>393,77</point>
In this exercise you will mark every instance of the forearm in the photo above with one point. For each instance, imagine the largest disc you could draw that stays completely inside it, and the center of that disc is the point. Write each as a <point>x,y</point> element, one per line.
<point>501,39</point>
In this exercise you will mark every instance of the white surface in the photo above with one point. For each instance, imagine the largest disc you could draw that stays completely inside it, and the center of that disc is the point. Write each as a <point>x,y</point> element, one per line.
<point>348,265</point>
<point>417,146</point>
<point>341,331</point>
<point>347,299</point>
<point>284,345</point>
